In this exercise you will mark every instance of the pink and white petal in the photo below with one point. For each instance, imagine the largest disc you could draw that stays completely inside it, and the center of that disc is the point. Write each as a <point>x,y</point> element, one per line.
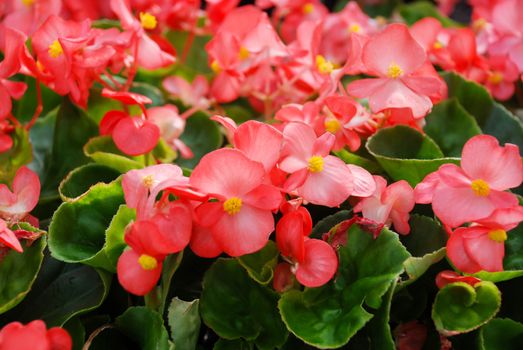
<point>244,233</point>
<point>424,191</point>
<point>151,56</point>
<point>400,220</point>
<point>16,89</point>
<point>400,196</point>
<point>363,88</point>
<point>26,186</point>
<point>455,206</point>
<point>296,180</point>
<point>502,199</point>
<point>203,243</point>
<point>319,266</point>
<point>488,254</point>
<point>364,184</point>
<point>500,167</point>
<point>133,277</point>
<point>260,142</point>
<point>323,144</point>
<point>457,254</point>
<point>227,172</point>
<point>265,197</point>
<point>423,85</point>
<point>229,125</point>
<point>507,218</point>
<point>175,225</point>
<point>298,143</point>
<point>207,214</point>
<point>8,238</point>
<point>5,102</point>
<point>402,50</point>
<point>453,176</point>
<point>329,187</point>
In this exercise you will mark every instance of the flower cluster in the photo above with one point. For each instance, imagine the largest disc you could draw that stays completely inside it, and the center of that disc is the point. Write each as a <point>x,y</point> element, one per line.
<point>475,193</point>
<point>34,335</point>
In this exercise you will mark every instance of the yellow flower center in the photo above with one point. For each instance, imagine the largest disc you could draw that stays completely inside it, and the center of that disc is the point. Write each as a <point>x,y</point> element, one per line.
<point>480,188</point>
<point>28,3</point>
<point>308,8</point>
<point>324,66</point>
<point>215,66</point>
<point>148,181</point>
<point>147,262</point>
<point>40,66</point>
<point>354,28</point>
<point>148,21</point>
<point>479,24</point>
<point>394,71</point>
<point>499,236</point>
<point>495,78</point>
<point>243,54</point>
<point>232,205</point>
<point>55,49</point>
<point>437,45</point>
<point>332,125</point>
<point>315,164</point>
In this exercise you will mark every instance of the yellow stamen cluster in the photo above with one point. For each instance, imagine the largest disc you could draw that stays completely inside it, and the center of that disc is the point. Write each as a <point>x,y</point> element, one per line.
<point>148,181</point>
<point>232,205</point>
<point>480,188</point>
<point>215,66</point>
<point>354,28</point>
<point>437,45</point>
<point>147,262</point>
<point>28,3</point>
<point>332,125</point>
<point>148,21</point>
<point>324,66</point>
<point>499,236</point>
<point>243,54</point>
<point>308,8</point>
<point>55,49</point>
<point>394,71</point>
<point>495,78</point>
<point>315,164</point>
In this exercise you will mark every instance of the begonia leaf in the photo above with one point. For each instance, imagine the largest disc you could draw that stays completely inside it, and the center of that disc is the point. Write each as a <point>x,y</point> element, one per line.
<point>235,306</point>
<point>260,265</point>
<point>18,272</point>
<point>460,308</point>
<point>19,154</point>
<point>329,316</point>
<point>77,230</point>
<point>406,154</point>
<point>145,327</point>
<point>82,178</point>
<point>184,322</point>
<point>103,151</point>
<point>501,334</point>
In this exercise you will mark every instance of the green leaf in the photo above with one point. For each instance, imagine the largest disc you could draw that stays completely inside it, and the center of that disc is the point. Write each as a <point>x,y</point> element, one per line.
<point>61,292</point>
<point>41,136</point>
<point>461,308</point>
<point>76,330</point>
<point>103,151</point>
<point>260,265</point>
<point>406,154</point>
<point>154,93</point>
<point>20,154</point>
<point>237,344</point>
<point>145,327</point>
<point>501,334</point>
<point>99,105</point>
<point>379,328</point>
<point>82,178</point>
<point>202,135</point>
<point>18,272</point>
<point>498,276</point>
<point>235,306</point>
<point>24,108</point>
<point>77,230</point>
<point>450,126</point>
<point>327,317</point>
<point>196,61</point>
<point>492,117</point>
<point>114,235</point>
<point>72,130</point>
<point>412,13</point>
<point>184,321</point>
<point>163,152</point>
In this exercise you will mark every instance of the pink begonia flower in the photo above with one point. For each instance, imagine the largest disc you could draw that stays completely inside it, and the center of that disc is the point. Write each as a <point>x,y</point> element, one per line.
<point>191,94</point>
<point>502,77</point>
<point>241,220</point>
<point>397,85</point>
<point>474,190</point>
<point>149,55</point>
<point>14,46</point>
<point>171,126</point>
<point>464,57</point>
<point>203,243</point>
<point>482,245</point>
<point>448,276</point>
<point>34,336</point>
<point>315,175</point>
<point>16,204</point>
<point>297,12</point>
<point>26,16</point>
<point>389,204</point>
<point>314,261</point>
<point>8,238</point>
<point>260,142</point>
